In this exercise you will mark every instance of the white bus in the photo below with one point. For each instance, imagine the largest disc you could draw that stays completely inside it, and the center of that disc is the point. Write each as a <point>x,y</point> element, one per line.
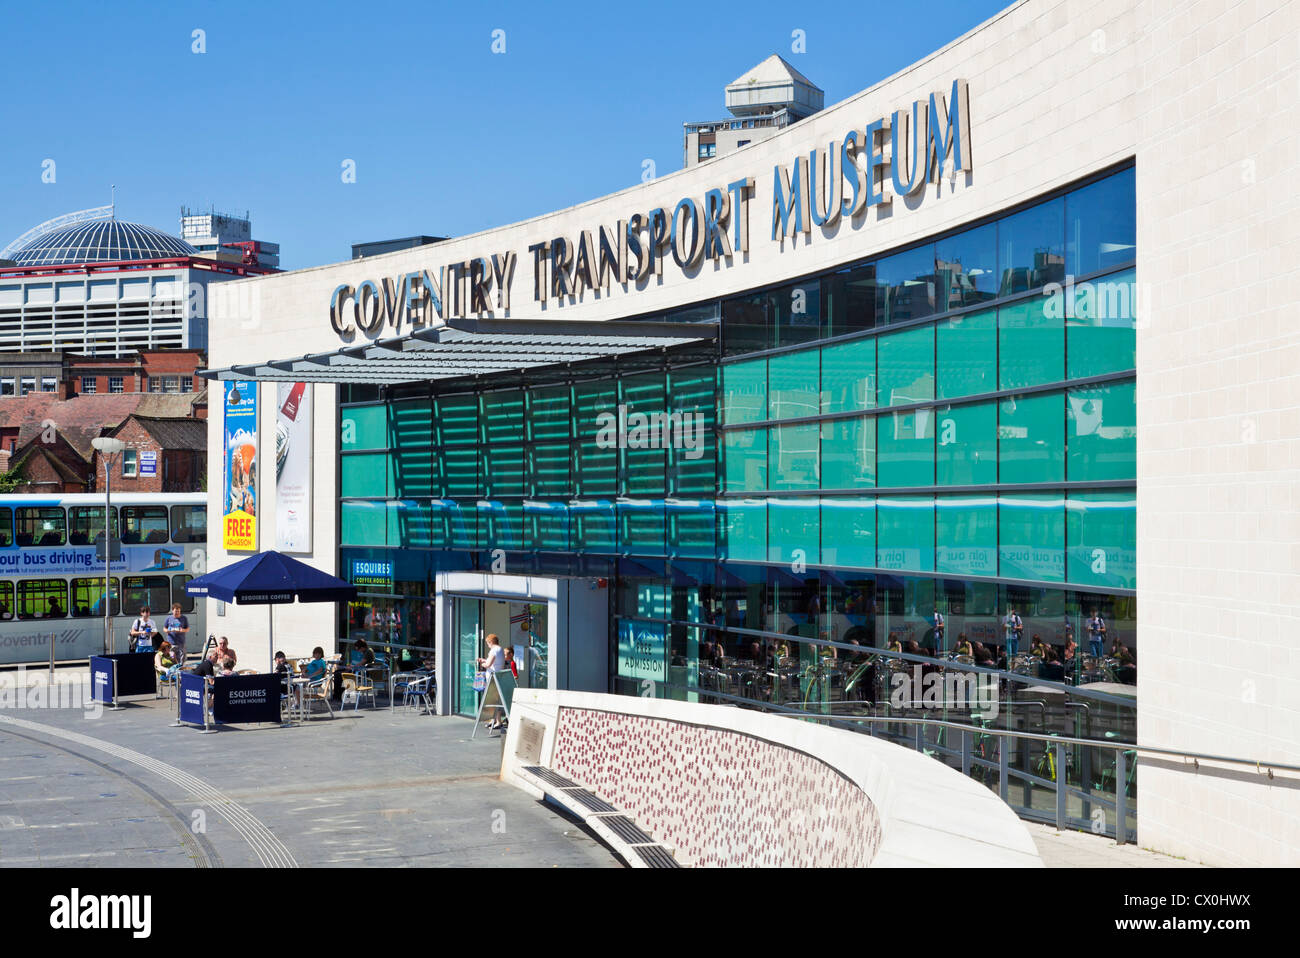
<point>52,570</point>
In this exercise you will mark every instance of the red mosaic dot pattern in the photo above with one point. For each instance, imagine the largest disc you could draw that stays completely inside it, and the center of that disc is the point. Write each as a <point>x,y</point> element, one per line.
<point>719,798</point>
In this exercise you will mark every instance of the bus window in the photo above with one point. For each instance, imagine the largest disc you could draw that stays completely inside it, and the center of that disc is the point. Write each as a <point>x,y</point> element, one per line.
<point>144,524</point>
<point>6,600</point>
<point>39,526</point>
<point>42,598</point>
<point>180,595</point>
<point>7,534</point>
<point>88,597</point>
<point>86,524</point>
<point>189,523</point>
<point>153,591</point>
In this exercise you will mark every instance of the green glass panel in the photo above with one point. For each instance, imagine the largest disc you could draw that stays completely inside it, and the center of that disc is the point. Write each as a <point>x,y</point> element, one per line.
<point>744,392</point>
<point>456,423</point>
<point>546,525</point>
<point>1102,328</point>
<point>409,524</point>
<point>692,528</point>
<point>745,460</point>
<point>966,348</point>
<point>1031,438</point>
<point>1102,432</point>
<point>794,530</point>
<point>363,427</point>
<point>792,381</point>
<point>463,524</point>
<point>413,471</point>
<point>849,531</point>
<point>966,442</point>
<point>644,458</point>
<point>905,533</point>
<point>793,457</point>
<point>548,414</point>
<point>848,376</point>
<point>362,524</point>
<point>411,423</point>
<point>503,471</point>
<point>548,469</point>
<point>1031,343</point>
<point>595,409</point>
<point>502,524</point>
<point>459,471</point>
<point>641,527</point>
<point>848,454</point>
<point>467,628</point>
<point>966,535</point>
<point>365,476</point>
<point>743,529</point>
<point>595,469</point>
<point>905,448</point>
<point>594,523</point>
<point>503,416</point>
<point>1101,529</point>
<point>905,365</point>
<point>692,462</point>
<point>439,525</point>
<point>1031,537</point>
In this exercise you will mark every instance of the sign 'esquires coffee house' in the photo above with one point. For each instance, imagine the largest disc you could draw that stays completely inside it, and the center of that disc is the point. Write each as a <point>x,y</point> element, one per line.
<point>785,406</point>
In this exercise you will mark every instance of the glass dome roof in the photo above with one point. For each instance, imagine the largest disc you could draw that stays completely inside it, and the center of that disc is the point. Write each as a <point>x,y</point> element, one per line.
<point>101,241</point>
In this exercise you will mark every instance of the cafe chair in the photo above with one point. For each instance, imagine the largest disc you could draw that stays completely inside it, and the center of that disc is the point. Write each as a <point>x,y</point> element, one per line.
<point>360,686</point>
<point>167,683</point>
<point>420,690</point>
<point>320,690</point>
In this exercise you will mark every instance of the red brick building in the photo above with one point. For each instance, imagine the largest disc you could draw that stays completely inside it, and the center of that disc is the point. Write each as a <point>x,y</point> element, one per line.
<point>162,455</point>
<point>66,374</point>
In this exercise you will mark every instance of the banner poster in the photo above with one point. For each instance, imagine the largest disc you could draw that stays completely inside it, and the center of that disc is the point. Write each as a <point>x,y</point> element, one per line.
<point>246,698</point>
<point>293,448</point>
<point>190,707</point>
<point>101,679</point>
<point>239,513</point>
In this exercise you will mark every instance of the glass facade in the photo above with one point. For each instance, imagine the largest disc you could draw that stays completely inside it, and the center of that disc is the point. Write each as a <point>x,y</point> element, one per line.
<point>949,428</point>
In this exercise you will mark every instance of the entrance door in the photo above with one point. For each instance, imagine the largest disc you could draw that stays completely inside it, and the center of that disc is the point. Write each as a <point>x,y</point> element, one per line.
<point>468,618</point>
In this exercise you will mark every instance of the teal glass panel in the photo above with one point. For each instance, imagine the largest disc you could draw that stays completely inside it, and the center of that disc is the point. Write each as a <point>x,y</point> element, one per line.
<point>793,457</point>
<point>1031,537</point>
<point>458,470</point>
<point>905,366</point>
<point>849,531</point>
<point>1031,438</point>
<point>595,409</point>
<point>501,525</point>
<point>744,392</point>
<point>692,528</point>
<point>409,524</point>
<point>413,471</point>
<point>794,530</point>
<point>642,527</point>
<point>848,454</point>
<point>966,445</point>
<point>742,525</point>
<point>966,349</point>
<point>362,524</point>
<point>1101,532</point>
<point>1031,343</point>
<point>411,423</point>
<point>594,524</point>
<point>1101,224</point>
<point>905,533</point>
<point>595,468</point>
<point>548,414</point>
<point>363,427</point>
<point>1102,432</point>
<point>365,476</point>
<point>546,524</point>
<point>966,535</point>
<point>456,423</point>
<point>503,416</point>
<point>848,377</point>
<point>467,614</point>
<point>792,388</point>
<point>503,471</point>
<point>692,461</point>
<point>745,460</point>
<point>644,456</point>
<point>548,469</point>
<point>462,520</point>
<point>1101,325</point>
<point>905,448</point>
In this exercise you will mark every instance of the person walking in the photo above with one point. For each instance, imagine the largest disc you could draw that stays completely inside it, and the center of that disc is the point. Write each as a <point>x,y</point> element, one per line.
<point>1012,627</point>
<point>144,633</point>
<point>1096,634</point>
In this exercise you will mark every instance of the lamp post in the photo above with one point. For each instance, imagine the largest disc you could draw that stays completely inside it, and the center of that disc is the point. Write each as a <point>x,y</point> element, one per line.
<point>109,448</point>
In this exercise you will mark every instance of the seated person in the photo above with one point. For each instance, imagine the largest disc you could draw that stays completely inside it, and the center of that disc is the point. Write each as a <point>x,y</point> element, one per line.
<point>281,666</point>
<point>1038,647</point>
<point>164,661</point>
<point>227,666</point>
<point>1052,669</point>
<point>225,651</point>
<point>315,668</point>
<point>963,645</point>
<point>208,666</point>
<point>362,655</point>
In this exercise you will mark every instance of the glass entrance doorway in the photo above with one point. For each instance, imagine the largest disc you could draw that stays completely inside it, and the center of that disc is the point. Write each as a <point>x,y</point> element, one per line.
<point>520,626</point>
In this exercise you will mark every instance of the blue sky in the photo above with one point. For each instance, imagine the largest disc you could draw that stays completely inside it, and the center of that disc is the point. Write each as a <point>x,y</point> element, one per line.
<point>448,137</point>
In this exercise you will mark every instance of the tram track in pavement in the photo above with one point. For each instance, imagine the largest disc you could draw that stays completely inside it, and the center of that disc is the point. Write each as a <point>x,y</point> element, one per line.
<point>270,851</point>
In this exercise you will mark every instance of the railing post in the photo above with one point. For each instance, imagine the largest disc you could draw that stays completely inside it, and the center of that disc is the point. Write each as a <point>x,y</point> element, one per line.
<point>1004,767</point>
<point>917,736</point>
<point>1060,786</point>
<point>965,753</point>
<point>1121,797</point>
<point>51,656</point>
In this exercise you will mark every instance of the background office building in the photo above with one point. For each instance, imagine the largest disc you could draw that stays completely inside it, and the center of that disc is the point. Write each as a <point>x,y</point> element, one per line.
<point>1037,378</point>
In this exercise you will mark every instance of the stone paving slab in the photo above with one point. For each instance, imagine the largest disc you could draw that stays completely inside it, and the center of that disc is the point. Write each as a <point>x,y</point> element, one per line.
<point>1082,850</point>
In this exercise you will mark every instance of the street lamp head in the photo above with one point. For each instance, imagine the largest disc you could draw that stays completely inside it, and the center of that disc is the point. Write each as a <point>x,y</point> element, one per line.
<point>107,445</point>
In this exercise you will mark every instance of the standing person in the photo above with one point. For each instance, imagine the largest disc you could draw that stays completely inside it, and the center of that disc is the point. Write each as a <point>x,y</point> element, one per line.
<point>1096,634</point>
<point>510,661</point>
<point>1012,627</point>
<point>939,626</point>
<point>177,625</point>
<point>144,632</point>
<point>495,660</point>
